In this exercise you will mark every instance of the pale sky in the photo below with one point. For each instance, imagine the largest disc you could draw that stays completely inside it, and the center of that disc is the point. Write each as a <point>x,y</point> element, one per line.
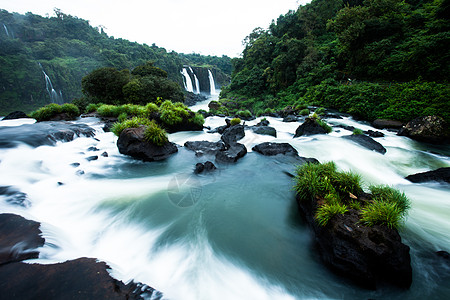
<point>207,27</point>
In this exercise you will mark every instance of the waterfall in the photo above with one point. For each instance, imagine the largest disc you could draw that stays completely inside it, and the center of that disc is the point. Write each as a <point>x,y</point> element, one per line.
<point>54,96</point>
<point>197,83</point>
<point>6,30</point>
<point>187,81</point>
<point>211,83</point>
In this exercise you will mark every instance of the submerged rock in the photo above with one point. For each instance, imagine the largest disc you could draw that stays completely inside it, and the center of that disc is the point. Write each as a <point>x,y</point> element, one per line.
<point>131,142</point>
<point>43,133</point>
<point>206,167</point>
<point>309,127</point>
<point>15,115</point>
<point>441,174</point>
<point>366,255</point>
<point>271,149</point>
<point>429,129</point>
<point>366,142</point>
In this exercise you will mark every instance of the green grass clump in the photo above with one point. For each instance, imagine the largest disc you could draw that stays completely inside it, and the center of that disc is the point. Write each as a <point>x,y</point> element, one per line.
<point>357,131</point>
<point>92,107</point>
<point>320,111</point>
<point>151,108</point>
<point>325,212</point>
<point>336,191</point>
<point>135,122</point>
<point>304,112</point>
<point>244,114</point>
<point>268,111</point>
<point>47,112</point>
<point>324,125</point>
<point>198,119</point>
<point>155,134</point>
<point>172,114</point>
<point>107,110</point>
<point>235,121</point>
<point>122,117</point>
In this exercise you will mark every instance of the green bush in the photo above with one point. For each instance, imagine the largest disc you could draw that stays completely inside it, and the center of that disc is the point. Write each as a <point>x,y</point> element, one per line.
<point>304,112</point>
<point>122,117</point>
<point>135,122</point>
<point>172,114</point>
<point>388,194</point>
<point>320,111</point>
<point>198,119</point>
<point>326,211</point>
<point>235,121</point>
<point>92,107</point>
<point>382,213</point>
<point>324,125</point>
<point>244,113</point>
<point>108,110</point>
<point>357,131</point>
<point>47,112</point>
<point>155,134</point>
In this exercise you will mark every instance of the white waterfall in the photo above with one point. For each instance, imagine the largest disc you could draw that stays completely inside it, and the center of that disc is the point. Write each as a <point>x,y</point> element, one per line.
<point>54,97</point>
<point>211,83</point>
<point>187,81</point>
<point>6,30</point>
<point>197,83</point>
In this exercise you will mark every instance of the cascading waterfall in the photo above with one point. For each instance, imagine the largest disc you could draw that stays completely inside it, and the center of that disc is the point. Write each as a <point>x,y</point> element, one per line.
<point>211,83</point>
<point>187,81</point>
<point>54,96</point>
<point>197,83</point>
<point>6,30</point>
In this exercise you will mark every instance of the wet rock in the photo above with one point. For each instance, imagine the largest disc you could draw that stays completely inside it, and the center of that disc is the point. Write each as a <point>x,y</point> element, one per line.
<point>309,127</point>
<point>92,148</point>
<point>205,147</point>
<point>385,123</point>
<point>82,278</point>
<point>105,154</point>
<point>206,167</point>
<point>79,172</point>
<point>263,122</point>
<point>232,154</point>
<point>366,255</point>
<point>15,115</point>
<point>75,165</point>
<point>233,134</point>
<point>43,133</point>
<point>265,130</point>
<point>131,142</point>
<point>429,129</point>
<point>91,158</point>
<point>374,134</point>
<point>19,239</point>
<point>366,142</point>
<point>290,118</point>
<point>443,254</point>
<point>441,174</point>
<point>271,149</point>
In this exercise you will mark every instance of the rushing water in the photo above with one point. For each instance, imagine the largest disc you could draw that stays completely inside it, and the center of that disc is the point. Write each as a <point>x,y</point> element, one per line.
<point>232,234</point>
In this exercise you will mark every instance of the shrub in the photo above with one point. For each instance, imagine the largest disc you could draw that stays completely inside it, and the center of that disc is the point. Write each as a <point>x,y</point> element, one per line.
<point>235,121</point>
<point>381,212</point>
<point>107,110</point>
<point>135,122</point>
<point>388,194</point>
<point>122,117</point>
<point>313,179</point>
<point>324,125</point>
<point>244,114</point>
<point>325,212</point>
<point>320,111</point>
<point>357,131</point>
<point>198,119</point>
<point>304,112</point>
<point>92,107</point>
<point>268,111</point>
<point>155,134</point>
<point>47,112</point>
<point>172,114</point>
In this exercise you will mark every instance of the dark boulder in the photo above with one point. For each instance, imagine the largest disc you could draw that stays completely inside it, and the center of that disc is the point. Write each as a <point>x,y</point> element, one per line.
<point>15,115</point>
<point>366,255</point>
<point>429,129</point>
<point>265,130</point>
<point>205,147</point>
<point>206,167</point>
<point>82,278</point>
<point>19,239</point>
<point>443,254</point>
<point>290,118</point>
<point>271,149</point>
<point>233,134</point>
<point>131,142</point>
<point>366,142</point>
<point>310,127</point>
<point>263,122</point>
<point>441,174</point>
<point>384,123</point>
<point>232,154</point>
<point>43,133</point>
<point>374,134</point>
<point>105,154</point>
<point>92,158</point>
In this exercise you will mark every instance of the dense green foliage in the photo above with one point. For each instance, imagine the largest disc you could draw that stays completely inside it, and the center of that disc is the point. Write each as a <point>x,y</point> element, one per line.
<point>235,121</point>
<point>336,191</point>
<point>51,110</point>
<point>372,58</point>
<point>67,48</point>
<point>155,134</point>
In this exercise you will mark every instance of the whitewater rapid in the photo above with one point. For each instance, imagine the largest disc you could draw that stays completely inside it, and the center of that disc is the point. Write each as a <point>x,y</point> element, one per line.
<point>239,236</point>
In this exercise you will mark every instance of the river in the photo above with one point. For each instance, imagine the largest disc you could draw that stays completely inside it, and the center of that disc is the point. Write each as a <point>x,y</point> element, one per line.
<point>232,234</point>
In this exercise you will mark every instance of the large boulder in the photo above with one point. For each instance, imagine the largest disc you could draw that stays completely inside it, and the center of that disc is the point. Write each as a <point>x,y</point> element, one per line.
<point>265,130</point>
<point>19,239</point>
<point>15,115</point>
<point>366,255</point>
<point>43,133</point>
<point>385,123</point>
<point>205,147</point>
<point>131,142</point>
<point>366,142</point>
<point>233,134</point>
<point>271,149</point>
<point>234,152</point>
<point>441,174</point>
<point>310,127</point>
<point>429,129</point>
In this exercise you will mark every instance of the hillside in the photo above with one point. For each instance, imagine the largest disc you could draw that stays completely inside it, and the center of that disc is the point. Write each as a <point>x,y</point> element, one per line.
<point>67,48</point>
<point>372,58</point>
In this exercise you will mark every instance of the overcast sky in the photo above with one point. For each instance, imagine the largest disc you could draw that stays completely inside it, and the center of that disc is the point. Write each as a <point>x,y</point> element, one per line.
<point>207,27</point>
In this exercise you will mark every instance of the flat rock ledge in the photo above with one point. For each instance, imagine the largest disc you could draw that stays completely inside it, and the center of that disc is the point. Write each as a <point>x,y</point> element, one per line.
<point>439,175</point>
<point>365,255</point>
<point>366,142</point>
<point>82,278</point>
<point>131,142</point>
